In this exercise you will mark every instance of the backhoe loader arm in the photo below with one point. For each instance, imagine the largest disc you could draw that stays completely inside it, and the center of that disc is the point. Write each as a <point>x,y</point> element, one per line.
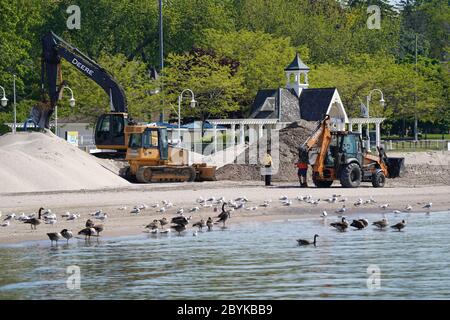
<point>53,50</point>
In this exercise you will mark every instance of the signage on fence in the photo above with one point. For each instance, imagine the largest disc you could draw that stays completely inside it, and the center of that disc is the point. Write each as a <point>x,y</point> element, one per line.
<point>72,137</point>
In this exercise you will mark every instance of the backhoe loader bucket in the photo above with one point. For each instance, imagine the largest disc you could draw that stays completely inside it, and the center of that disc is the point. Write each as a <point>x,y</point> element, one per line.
<point>396,167</point>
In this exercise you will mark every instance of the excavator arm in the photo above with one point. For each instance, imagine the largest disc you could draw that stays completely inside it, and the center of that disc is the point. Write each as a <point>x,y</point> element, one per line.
<point>53,50</point>
<point>322,138</point>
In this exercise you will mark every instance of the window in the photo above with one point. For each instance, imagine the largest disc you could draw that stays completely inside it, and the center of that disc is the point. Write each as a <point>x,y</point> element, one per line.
<point>135,140</point>
<point>117,124</point>
<point>105,125</point>
<point>150,139</point>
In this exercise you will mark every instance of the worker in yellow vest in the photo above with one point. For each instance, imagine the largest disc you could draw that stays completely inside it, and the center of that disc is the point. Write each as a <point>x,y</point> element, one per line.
<point>267,162</point>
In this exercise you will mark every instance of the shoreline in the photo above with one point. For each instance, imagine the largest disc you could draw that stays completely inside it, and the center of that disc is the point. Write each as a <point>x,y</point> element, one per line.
<point>123,223</point>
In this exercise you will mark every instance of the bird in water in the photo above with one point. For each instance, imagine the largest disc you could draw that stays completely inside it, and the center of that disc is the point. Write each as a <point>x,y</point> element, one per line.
<point>209,223</point>
<point>341,225</point>
<point>67,234</point>
<point>224,215</point>
<point>360,224</point>
<point>324,214</point>
<point>54,236</point>
<point>303,242</point>
<point>399,226</point>
<point>87,232</point>
<point>182,220</point>
<point>201,224</point>
<point>381,224</point>
<point>179,228</point>
<point>98,228</point>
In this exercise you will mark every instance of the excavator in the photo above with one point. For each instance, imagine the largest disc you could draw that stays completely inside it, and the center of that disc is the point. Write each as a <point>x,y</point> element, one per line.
<point>340,155</point>
<point>114,129</point>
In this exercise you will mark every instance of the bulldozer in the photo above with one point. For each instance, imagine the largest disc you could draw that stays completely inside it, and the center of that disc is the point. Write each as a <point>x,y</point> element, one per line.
<point>340,155</point>
<point>152,159</point>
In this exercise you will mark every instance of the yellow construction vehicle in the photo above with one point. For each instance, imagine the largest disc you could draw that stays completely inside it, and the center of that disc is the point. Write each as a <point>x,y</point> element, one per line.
<point>153,159</point>
<point>340,155</point>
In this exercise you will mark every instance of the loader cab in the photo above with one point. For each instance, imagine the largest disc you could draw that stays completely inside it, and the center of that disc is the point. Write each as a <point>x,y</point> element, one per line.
<point>110,131</point>
<point>151,138</point>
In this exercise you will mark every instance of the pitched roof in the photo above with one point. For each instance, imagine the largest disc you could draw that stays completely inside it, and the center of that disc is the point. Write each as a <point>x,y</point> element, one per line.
<point>259,101</point>
<point>314,103</point>
<point>296,64</point>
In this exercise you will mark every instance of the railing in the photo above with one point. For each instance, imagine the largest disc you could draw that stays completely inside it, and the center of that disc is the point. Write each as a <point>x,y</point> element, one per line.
<point>421,145</point>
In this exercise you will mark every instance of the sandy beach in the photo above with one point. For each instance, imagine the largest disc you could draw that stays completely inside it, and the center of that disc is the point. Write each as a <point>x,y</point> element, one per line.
<point>122,222</point>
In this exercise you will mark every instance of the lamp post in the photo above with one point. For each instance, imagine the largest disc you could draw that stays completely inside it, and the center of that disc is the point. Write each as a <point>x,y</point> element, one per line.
<point>369,98</point>
<point>4,100</point>
<point>180,98</point>
<point>71,104</point>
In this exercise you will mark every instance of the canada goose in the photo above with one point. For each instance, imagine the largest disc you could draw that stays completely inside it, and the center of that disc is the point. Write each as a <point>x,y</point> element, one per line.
<point>179,228</point>
<point>54,236</point>
<point>89,223</point>
<point>399,226</point>
<point>87,232</point>
<point>209,223</point>
<point>201,224</point>
<point>359,224</point>
<point>223,217</point>
<point>383,223</point>
<point>153,225</point>
<point>303,242</point>
<point>67,234</point>
<point>35,221</point>
<point>180,220</point>
<point>341,226</point>
<point>98,228</point>
<point>163,222</point>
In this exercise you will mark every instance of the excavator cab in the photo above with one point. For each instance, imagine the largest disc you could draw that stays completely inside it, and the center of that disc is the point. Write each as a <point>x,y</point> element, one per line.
<point>110,131</point>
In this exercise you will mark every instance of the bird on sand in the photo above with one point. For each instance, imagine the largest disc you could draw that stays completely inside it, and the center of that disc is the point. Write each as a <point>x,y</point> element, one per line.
<point>399,226</point>
<point>54,236</point>
<point>153,225</point>
<point>428,206</point>
<point>384,206</point>
<point>35,221</point>
<point>67,234</point>
<point>303,242</point>
<point>163,222</point>
<point>408,208</point>
<point>5,224</point>
<point>342,210</point>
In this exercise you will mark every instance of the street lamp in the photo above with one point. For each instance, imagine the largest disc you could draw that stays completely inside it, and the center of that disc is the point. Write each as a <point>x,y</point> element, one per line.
<point>4,100</point>
<point>71,104</point>
<point>382,102</point>
<point>180,98</point>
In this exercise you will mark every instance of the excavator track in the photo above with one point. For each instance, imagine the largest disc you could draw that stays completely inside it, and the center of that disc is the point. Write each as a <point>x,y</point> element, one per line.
<point>148,174</point>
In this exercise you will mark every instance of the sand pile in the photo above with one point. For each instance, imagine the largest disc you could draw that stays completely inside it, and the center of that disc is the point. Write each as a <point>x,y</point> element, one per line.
<point>33,161</point>
<point>290,138</point>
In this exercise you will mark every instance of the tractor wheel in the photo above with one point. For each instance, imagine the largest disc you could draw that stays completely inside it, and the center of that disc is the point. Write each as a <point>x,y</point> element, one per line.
<point>190,173</point>
<point>351,176</point>
<point>378,179</point>
<point>144,175</point>
<point>322,183</point>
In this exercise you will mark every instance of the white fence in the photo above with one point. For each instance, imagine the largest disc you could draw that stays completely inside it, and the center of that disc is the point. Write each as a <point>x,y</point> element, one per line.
<point>421,145</point>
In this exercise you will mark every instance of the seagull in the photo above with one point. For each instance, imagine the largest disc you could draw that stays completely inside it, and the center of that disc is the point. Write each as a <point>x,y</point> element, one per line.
<point>324,214</point>
<point>251,208</point>
<point>384,206</point>
<point>287,203</point>
<point>303,242</point>
<point>358,203</point>
<point>399,226</point>
<point>195,209</point>
<point>50,221</point>
<point>408,208</point>
<point>341,210</point>
<point>343,200</point>
<point>194,233</point>
<point>283,198</point>
<point>180,211</point>
<point>66,215</point>
<point>155,205</point>
<point>396,211</point>
<point>10,217</point>
<point>5,224</point>
<point>135,210</point>
<point>161,210</point>
<point>200,200</point>
<point>122,208</point>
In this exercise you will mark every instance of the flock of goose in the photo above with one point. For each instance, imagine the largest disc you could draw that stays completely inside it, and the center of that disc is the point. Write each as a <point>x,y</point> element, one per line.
<point>180,222</point>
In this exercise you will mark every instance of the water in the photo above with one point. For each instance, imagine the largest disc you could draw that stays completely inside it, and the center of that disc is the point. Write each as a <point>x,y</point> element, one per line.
<point>246,261</point>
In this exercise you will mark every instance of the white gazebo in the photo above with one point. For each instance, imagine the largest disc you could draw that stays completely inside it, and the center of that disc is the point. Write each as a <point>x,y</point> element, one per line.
<point>367,122</point>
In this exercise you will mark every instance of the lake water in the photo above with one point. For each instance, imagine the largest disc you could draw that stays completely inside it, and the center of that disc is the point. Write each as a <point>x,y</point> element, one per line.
<point>245,261</point>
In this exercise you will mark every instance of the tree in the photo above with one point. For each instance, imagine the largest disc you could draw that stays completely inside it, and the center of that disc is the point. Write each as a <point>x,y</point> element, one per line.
<point>214,80</point>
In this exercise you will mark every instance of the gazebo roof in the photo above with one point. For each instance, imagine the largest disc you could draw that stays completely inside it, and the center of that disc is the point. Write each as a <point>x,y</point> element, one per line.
<point>296,64</point>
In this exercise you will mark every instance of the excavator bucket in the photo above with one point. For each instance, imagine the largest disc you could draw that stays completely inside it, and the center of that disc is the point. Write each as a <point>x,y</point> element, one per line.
<point>396,167</point>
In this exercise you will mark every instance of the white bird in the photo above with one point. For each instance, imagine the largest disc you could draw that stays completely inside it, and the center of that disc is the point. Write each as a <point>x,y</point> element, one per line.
<point>384,206</point>
<point>283,198</point>
<point>200,200</point>
<point>287,203</point>
<point>342,210</point>
<point>195,233</point>
<point>397,211</point>
<point>169,205</point>
<point>135,210</point>
<point>10,217</point>
<point>251,208</point>
<point>96,213</point>
<point>180,211</point>
<point>324,214</point>
<point>103,217</point>
<point>195,209</point>
<point>372,200</point>
<point>206,205</point>
<point>358,203</point>
<point>265,204</point>
<point>5,224</point>
<point>161,210</point>
<point>122,208</point>
<point>73,217</point>
<point>66,215</point>
<point>50,221</point>
<point>143,206</point>
<point>155,205</point>
<point>211,199</point>
<point>408,208</point>
<point>164,202</point>
<point>343,200</point>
